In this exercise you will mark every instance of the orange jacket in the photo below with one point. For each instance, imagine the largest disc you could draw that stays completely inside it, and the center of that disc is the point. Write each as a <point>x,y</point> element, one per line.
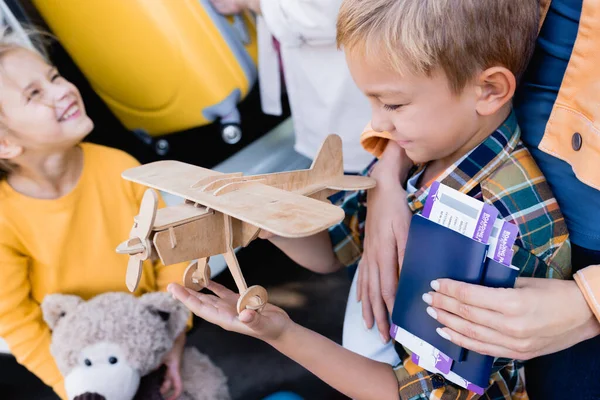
<point>573,130</point>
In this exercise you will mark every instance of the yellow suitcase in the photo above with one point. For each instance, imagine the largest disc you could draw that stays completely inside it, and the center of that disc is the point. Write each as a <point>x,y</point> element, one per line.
<point>161,66</point>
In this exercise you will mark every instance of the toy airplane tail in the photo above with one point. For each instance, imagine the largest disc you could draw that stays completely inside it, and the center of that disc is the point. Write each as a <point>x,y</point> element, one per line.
<point>329,160</point>
<point>328,169</point>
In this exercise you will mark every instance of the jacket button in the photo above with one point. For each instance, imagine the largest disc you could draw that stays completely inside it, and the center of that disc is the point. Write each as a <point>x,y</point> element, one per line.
<point>576,141</point>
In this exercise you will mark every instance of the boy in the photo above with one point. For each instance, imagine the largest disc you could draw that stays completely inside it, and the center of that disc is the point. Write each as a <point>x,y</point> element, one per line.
<point>440,76</point>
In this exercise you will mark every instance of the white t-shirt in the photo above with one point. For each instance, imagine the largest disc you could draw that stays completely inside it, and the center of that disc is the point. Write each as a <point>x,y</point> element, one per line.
<point>323,96</point>
<point>411,184</point>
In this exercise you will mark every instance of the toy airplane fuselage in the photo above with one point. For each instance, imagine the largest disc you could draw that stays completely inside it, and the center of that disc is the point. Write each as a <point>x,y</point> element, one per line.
<point>224,211</point>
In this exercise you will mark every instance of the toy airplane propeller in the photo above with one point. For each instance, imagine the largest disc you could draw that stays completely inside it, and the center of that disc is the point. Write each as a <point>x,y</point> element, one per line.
<point>224,211</point>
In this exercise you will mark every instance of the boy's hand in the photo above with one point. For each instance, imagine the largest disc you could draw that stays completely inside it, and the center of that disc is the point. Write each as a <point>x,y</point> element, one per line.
<point>268,325</point>
<point>386,230</point>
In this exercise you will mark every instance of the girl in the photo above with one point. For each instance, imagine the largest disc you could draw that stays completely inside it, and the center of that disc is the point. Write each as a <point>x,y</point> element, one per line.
<point>64,208</point>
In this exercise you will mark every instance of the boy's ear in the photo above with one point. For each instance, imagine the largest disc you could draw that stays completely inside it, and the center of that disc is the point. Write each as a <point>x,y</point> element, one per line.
<point>8,149</point>
<point>496,87</point>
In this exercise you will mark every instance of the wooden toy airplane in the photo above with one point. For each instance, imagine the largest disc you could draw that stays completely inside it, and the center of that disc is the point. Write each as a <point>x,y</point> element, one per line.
<point>224,211</point>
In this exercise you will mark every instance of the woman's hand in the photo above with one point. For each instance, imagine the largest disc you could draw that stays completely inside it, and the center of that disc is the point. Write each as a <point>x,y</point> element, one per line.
<point>172,382</point>
<point>537,317</point>
<point>221,310</point>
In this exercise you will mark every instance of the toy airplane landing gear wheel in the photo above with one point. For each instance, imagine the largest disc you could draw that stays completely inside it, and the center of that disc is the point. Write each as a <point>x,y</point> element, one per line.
<point>254,298</point>
<point>197,275</point>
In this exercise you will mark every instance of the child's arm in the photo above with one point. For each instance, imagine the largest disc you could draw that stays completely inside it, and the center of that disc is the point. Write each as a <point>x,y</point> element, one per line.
<point>386,229</point>
<point>313,252</point>
<point>21,321</point>
<point>353,375</point>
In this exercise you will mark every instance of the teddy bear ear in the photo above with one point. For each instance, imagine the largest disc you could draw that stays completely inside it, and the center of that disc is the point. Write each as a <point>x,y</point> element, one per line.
<point>56,306</point>
<point>171,311</point>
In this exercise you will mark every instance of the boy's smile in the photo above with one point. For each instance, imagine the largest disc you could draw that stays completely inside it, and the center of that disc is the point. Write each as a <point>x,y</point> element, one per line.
<point>421,112</point>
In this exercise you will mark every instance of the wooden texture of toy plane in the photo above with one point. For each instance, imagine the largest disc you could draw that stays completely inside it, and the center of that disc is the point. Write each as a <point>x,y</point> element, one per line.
<point>225,211</point>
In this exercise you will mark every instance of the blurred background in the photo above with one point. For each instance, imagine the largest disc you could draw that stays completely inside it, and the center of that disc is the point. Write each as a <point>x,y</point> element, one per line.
<point>209,116</point>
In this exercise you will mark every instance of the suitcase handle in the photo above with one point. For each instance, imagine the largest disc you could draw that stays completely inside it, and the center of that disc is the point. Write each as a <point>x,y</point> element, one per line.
<point>241,28</point>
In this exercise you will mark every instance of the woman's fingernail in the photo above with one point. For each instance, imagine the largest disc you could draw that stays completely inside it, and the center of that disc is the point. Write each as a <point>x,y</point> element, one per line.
<point>365,325</point>
<point>443,334</point>
<point>432,313</point>
<point>435,285</point>
<point>427,298</point>
<point>383,338</point>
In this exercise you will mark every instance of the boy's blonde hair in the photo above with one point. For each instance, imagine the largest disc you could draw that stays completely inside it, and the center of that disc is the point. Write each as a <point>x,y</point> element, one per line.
<point>461,37</point>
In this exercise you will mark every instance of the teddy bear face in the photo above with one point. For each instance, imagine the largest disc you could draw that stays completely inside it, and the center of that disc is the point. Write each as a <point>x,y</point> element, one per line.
<point>99,364</point>
<point>115,334</point>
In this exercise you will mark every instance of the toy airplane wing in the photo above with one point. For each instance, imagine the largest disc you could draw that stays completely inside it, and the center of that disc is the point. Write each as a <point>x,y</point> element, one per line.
<point>275,210</point>
<point>170,175</point>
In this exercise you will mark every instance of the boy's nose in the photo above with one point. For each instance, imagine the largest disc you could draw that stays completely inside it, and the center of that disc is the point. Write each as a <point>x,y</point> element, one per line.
<point>380,123</point>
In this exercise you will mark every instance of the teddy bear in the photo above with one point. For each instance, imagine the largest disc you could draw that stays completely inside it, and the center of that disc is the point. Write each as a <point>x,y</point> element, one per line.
<point>111,347</point>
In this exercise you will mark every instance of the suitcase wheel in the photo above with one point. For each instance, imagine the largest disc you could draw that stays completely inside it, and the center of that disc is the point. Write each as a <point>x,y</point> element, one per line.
<point>231,133</point>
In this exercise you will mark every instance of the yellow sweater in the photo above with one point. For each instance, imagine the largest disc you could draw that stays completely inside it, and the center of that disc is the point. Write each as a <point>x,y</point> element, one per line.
<point>67,246</point>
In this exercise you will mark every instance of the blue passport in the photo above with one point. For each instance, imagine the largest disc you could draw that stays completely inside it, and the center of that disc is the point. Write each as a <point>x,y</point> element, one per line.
<point>433,252</point>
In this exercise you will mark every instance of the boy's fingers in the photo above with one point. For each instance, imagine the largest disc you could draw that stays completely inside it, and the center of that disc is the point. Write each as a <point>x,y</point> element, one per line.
<point>177,291</point>
<point>367,312</point>
<point>389,281</point>
<point>377,304</point>
<point>250,318</point>
<point>189,298</point>
<point>362,266</point>
<point>247,316</point>
<point>383,325</point>
<point>220,290</point>
<point>381,317</point>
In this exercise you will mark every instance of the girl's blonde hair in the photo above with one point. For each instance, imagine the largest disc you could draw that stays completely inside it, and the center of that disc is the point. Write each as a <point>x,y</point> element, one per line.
<point>461,37</point>
<point>28,38</point>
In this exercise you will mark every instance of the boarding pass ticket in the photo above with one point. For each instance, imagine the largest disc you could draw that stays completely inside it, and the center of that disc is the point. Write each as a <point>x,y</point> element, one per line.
<point>474,219</point>
<point>431,359</point>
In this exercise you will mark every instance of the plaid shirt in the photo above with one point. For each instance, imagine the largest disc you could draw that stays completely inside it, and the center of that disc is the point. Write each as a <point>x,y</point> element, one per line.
<point>500,172</point>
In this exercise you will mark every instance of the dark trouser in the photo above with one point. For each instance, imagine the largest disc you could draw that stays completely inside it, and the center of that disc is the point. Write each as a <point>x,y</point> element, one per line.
<point>572,374</point>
